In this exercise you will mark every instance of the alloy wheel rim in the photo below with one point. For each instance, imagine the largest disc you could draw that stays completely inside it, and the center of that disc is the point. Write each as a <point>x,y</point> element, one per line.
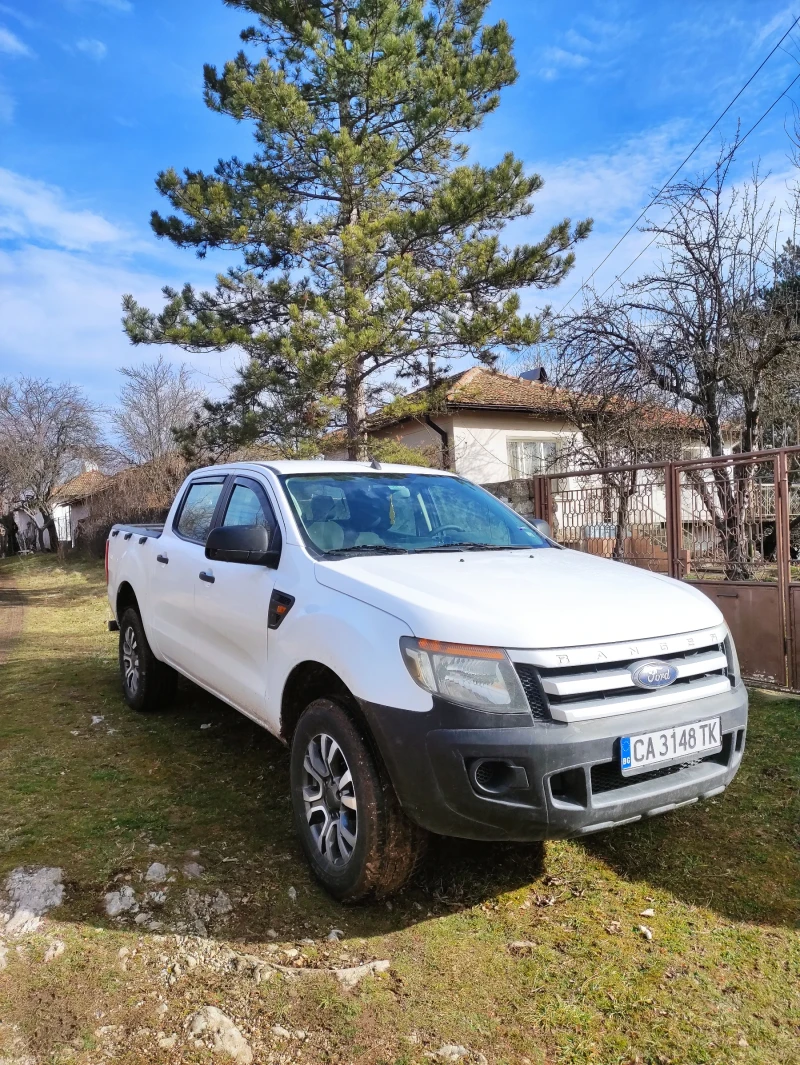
<point>130,660</point>
<point>330,800</point>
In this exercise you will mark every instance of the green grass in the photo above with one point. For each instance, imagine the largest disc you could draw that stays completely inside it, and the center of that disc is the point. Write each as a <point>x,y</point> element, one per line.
<point>103,801</point>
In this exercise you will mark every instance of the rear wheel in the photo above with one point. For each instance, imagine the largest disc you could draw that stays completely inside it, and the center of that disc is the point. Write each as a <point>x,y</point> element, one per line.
<point>147,684</point>
<point>354,833</point>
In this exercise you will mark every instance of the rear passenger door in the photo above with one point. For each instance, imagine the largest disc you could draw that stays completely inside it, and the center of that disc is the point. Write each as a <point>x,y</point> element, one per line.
<point>180,557</point>
<point>232,604</point>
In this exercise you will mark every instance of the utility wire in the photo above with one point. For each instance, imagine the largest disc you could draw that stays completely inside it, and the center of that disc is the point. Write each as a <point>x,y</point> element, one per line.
<point>710,129</point>
<point>721,163</point>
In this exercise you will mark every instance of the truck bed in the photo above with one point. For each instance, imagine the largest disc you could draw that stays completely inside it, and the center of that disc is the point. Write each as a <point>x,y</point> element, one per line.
<point>145,532</point>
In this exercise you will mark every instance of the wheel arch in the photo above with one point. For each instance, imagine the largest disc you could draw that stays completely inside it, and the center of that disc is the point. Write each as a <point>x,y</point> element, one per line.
<point>311,680</point>
<point>126,597</point>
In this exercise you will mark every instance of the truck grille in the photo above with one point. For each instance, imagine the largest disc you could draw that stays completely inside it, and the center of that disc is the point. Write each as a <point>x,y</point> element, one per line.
<point>532,687</point>
<point>579,684</point>
<point>607,776</point>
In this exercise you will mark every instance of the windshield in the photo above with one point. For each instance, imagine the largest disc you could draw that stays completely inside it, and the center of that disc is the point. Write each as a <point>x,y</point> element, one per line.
<point>380,513</point>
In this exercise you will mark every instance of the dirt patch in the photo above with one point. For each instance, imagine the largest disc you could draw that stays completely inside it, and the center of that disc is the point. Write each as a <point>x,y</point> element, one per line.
<point>10,614</point>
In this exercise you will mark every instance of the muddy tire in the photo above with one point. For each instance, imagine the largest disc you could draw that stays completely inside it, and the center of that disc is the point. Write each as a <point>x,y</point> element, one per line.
<point>355,835</point>
<point>147,684</point>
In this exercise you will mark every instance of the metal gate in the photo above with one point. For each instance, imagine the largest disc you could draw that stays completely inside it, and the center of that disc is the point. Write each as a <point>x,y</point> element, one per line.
<point>730,526</point>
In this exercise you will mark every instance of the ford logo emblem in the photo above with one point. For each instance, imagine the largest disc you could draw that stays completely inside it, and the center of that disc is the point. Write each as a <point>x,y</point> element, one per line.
<point>652,674</point>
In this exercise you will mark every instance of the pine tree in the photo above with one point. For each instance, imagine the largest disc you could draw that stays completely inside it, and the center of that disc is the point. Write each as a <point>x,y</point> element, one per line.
<point>371,250</point>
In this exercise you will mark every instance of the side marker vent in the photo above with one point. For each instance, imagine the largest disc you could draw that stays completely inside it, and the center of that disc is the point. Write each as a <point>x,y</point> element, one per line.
<point>279,606</point>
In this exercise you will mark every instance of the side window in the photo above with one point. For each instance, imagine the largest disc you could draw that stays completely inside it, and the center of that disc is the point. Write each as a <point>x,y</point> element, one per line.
<point>246,508</point>
<point>198,509</point>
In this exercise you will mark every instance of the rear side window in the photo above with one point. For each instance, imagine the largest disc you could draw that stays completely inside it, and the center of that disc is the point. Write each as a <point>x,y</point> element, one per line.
<point>246,508</point>
<point>197,511</point>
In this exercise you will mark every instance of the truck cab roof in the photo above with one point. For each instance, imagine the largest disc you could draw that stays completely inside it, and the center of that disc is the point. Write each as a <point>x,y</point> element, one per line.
<point>325,466</point>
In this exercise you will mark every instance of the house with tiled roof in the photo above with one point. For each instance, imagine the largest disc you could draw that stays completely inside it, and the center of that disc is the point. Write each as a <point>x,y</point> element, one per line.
<point>485,425</point>
<point>490,426</point>
<point>74,500</point>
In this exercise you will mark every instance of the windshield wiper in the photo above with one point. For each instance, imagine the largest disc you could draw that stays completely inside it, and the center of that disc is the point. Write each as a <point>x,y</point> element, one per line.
<point>372,549</point>
<point>471,545</point>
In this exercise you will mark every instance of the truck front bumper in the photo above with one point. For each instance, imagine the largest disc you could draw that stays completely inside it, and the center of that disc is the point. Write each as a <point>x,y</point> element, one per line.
<point>550,780</point>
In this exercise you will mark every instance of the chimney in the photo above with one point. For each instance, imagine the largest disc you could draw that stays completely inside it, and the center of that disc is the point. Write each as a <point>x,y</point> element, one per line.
<point>539,374</point>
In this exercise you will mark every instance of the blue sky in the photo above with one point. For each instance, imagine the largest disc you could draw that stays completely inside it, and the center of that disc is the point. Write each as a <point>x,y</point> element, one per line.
<point>97,95</point>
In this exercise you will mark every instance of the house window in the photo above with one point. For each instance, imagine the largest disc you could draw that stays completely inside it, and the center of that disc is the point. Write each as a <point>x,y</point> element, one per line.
<point>526,458</point>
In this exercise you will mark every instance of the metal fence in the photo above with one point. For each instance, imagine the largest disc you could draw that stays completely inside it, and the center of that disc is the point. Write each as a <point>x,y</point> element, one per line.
<point>728,525</point>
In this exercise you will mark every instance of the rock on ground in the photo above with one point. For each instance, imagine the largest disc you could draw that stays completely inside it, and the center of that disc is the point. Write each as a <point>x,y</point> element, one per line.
<point>350,977</point>
<point>55,950</point>
<point>211,1024</point>
<point>451,1052</point>
<point>121,901</point>
<point>157,873</point>
<point>30,893</point>
<point>202,909</point>
<point>522,947</point>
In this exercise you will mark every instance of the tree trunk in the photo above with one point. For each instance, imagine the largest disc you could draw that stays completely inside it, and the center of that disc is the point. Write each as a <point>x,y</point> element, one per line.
<point>9,544</point>
<point>49,527</point>
<point>356,416</point>
<point>356,406</point>
<point>727,505</point>
<point>751,416</point>
<point>626,491</point>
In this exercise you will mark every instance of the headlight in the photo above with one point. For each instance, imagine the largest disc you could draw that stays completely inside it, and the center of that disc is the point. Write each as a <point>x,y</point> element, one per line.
<point>481,677</point>
<point>733,658</point>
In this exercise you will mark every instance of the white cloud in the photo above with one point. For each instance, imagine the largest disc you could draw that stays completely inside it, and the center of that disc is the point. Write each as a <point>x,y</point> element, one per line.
<point>781,21</point>
<point>63,272</point>
<point>609,185</point>
<point>559,60</point>
<point>612,188</point>
<point>31,210</point>
<point>10,44</point>
<point>61,313</point>
<point>22,18</point>
<point>91,47</point>
<point>590,45</point>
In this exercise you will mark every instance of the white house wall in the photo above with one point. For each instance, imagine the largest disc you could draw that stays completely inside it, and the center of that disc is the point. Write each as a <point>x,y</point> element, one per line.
<point>27,530</point>
<point>416,434</point>
<point>413,433</point>
<point>67,516</point>
<point>479,441</point>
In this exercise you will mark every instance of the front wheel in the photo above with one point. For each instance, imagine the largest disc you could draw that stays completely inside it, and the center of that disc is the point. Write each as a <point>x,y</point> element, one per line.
<point>147,684</point>
<point>354,833</point>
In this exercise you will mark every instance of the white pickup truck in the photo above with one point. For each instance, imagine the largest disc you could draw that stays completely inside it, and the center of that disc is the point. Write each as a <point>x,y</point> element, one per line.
<point>435,662</point>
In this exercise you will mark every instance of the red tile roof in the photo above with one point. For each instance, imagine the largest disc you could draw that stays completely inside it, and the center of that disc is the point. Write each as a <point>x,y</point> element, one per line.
<point>85,484</point>
<point>482,389</point>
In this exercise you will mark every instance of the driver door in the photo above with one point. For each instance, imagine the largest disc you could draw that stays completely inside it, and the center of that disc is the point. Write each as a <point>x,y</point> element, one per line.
<point>232,605</point>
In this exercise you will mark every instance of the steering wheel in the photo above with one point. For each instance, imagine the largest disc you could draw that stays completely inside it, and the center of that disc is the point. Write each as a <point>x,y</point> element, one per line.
<point>446,528</point>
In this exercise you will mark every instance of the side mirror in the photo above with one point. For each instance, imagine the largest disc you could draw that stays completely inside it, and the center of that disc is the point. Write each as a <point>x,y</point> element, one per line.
<point>542,526</point>
<point>249,544</point>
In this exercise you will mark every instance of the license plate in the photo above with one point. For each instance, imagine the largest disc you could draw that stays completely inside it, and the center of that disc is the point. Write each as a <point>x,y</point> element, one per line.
<point>669,745</point>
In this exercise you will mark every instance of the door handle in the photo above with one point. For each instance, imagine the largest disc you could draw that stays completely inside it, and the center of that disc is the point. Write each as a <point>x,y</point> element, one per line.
<point>162,558</point>
<point>207,577</point>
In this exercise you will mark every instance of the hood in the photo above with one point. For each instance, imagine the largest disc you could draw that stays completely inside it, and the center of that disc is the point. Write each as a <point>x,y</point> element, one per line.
<point>531,599</point>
